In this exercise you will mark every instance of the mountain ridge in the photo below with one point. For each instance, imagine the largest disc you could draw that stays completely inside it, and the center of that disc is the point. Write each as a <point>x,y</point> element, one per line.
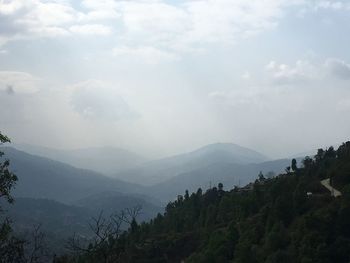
<point>59,181</point>
<point>156,171</point>
<point>106,160</point>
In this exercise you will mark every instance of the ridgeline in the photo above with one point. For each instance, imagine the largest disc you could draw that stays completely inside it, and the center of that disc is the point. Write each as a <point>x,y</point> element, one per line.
<point>289,218</point>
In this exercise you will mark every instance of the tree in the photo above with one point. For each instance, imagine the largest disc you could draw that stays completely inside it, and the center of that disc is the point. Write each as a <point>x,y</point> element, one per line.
<point>294,165</point>
<point>261,176</point>
<point>7,178</point>
<point>36,249</point>
<point>287,169</point>
<point>187,196</point>
<point>106,245</point>
<point>270,175</point>
<point>307,162</point>
<point>220,186</point>
<point>320,154</point>
<point>276,221</point>
<point>11,248</point>
<point>330,153</point>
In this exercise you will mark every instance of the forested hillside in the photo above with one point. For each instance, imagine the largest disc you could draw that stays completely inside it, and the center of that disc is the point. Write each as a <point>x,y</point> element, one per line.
<point>61,199</point>
<point>289,218</point>
<point>230,174</point>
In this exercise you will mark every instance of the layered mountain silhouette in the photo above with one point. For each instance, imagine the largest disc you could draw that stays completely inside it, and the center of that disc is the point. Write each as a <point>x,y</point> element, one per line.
<point>106,160</point>
<point>62,196</point>
<point>158,171</point>
<point>161,179</point>
<point>228,173</point>
<point>45,178</point>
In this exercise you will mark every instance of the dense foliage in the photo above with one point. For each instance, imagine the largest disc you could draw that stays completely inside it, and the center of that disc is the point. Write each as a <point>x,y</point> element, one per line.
<point>11,248</point>
<point>289,218</point>
<point>15,249</point>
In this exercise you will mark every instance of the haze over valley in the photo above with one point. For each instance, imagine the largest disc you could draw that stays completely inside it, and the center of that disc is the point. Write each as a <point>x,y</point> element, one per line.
<point>174,131</point>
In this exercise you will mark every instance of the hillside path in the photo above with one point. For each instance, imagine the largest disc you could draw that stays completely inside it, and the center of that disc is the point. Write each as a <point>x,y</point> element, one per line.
<point>334,192</point>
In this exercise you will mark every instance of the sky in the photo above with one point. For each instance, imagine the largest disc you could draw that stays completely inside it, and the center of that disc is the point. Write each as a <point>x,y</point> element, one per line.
<point>160,77</point>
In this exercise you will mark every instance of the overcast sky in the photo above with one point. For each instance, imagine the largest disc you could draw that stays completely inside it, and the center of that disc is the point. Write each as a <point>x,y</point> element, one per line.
<point>166,76</point>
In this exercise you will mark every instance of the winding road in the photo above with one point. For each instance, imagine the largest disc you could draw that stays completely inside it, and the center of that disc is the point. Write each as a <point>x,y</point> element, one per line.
<point>334,192</point>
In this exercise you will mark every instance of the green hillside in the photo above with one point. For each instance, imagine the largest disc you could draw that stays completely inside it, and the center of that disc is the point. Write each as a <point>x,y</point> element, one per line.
<point>289,218</point>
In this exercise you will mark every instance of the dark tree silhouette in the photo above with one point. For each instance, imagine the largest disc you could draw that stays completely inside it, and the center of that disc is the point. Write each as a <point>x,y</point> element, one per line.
<point>220,186</point>
<point>11,248</point>
<point>7,178</point>
<point>294,165</point>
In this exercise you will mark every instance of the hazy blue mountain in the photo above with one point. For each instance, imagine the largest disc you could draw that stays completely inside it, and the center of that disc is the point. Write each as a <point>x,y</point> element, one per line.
<point>228,152</point>
<point>227,163</point>
<point>230,174</point>
<point>106,160</point>
<point>160,170</point>
<point>44,178</point>
<point>63,199</point>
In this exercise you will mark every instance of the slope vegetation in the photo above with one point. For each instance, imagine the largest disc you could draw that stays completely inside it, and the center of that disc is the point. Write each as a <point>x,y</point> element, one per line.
<point>289,218</point>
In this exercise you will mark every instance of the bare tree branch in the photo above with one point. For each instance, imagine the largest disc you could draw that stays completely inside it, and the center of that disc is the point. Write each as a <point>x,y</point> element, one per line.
<point>105,232</point>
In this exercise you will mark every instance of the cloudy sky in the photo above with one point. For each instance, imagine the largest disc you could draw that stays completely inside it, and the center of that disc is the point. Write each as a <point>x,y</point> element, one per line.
<point>165,76</point>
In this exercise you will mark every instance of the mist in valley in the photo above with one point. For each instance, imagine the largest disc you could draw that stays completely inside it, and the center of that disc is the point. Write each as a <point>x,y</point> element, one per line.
<point>174,131</point>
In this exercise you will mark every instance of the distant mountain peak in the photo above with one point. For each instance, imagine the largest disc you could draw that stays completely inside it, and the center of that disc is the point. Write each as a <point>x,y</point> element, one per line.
<point>157,171</point>
<point>242,154</point>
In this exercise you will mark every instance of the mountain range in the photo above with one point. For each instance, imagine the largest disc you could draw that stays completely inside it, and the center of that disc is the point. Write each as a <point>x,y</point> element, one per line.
<point>41,177</point>
<point>63,199</point>
<point>157,171</point>
<point>65,196</point>
<point>228,173</point>
<point>162,179</point>
<point>105,160</point>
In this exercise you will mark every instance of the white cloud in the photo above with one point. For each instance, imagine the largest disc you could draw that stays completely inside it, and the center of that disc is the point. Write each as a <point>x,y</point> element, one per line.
<point>50,14</point>
<point>181,26</point>
<point>217,95</point>
<point>343,105</point>
<point>99,4</point>
<point>191,24</point>
<point>226,20</point>
<point>333,5</point>
<point>96,100</point>
<point>18,82</point>
<point>148,55</point>
<point>153,19</point>
<point>34,18</point>
<point>246,75</point>
<point>323,5</point>
<point>50,31</point>
<point>305,70</point>
<point>338,68</point>
<point>98,15</point>
<point>39,18</point>
<point>11,7</point>
<point>99,10</point>
<point>91,29</point>
<point>302,71</point>
<point>251,98</point>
